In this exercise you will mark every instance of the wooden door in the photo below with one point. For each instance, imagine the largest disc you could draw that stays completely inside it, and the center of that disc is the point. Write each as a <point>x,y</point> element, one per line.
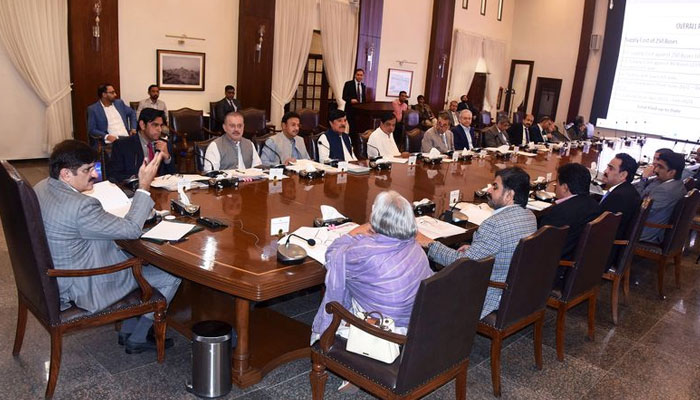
<point>546,98</point>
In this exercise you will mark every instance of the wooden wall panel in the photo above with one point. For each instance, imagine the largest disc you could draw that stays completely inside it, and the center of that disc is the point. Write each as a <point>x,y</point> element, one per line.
<point>255,78</point>
<point>582,59</point>
<point>88,67</point>
<point>369,34</point>
<point>440,48</point>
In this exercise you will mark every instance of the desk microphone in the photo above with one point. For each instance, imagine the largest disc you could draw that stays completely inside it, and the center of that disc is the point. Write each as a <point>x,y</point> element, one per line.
<point>379,153</point>
<point>214,172</point>
<point>454,217</point>
<point>330,161</point>
<point>290,253</point>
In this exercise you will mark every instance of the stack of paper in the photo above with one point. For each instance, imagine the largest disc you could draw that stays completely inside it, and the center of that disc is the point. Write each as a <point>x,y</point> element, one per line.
<point>397,160</point>
<point>537,205</point>
<point>252,173</point>
<point>324,237</point>
<point>112,198</point>
<point>301,165</point>
<point>476,213</point>
<point>169,182</point>
<point>357,169</point>
<point>434,228</point>
<point>167,230</point>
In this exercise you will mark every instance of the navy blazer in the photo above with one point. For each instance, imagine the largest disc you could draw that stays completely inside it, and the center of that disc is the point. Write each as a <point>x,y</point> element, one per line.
<point>127,157</point>
<point>575,212</point>
<point>536,134</point>
<point>350,92</point>
<point>460,138</point>
<point>97,119</point>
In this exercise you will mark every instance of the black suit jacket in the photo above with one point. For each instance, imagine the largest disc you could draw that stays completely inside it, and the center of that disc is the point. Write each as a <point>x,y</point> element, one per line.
<point>222,108</point>
<point>127,157</point>
<point>576,213</point>
<point>626,200</point>
<point>350,92</point>
<point>460,138</point>
<point>536,134</point>
<point>515,134</point>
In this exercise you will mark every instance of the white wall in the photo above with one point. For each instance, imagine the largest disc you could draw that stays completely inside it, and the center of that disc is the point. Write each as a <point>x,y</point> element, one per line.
<point>548,32</point>
<point>601,14</point>
<point>405,36</point>
<point>22,114</point>
<point>143,25</point>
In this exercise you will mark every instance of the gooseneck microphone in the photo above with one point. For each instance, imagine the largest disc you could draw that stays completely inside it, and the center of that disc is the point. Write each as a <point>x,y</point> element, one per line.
<point>310,242</point>
<point>214,172</point>
<point>265,145</point>
<point>290,253</point>
<point>379,153</point>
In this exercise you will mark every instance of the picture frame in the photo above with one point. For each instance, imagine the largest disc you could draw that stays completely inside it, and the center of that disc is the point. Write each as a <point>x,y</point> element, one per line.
<point>180,70</point>
<point>397,81</point>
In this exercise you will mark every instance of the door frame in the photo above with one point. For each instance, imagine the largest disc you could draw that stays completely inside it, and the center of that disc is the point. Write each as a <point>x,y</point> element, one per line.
<point>541,82</point>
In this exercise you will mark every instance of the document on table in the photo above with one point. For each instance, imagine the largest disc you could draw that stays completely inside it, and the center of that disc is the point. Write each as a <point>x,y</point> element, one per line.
<point>245,173</point>
<point>434,228</point>
<point>167,230</point>
<point>396,159</point>
<point>476,213</point>
<point>300,165</point>
<point>323,236</point>
<point>169,182</point>
<point>112,198</point>
<point>537,205</point>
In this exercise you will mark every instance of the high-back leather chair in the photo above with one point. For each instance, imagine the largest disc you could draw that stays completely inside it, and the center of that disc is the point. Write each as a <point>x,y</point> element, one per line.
<point>518,117</point>
<point>435,349</point>
<point>255,122</point>
<point>414,137</point>
<point>200,149</point>
<point>364,137</point>
<point>187,126</point>
<point>259,143</point>
<point>410,119</point>
<point>134,105</point>
<point>213,117</point>
<point>311,143</point>
<point>35,277</point>
<point>309,122</point>
<point>524,296</point>
<point>583,278</point>
<point>675,236</point>
<point>619,272</point>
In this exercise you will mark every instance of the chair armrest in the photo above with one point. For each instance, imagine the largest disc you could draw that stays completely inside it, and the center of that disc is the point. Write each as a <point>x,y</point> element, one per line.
<point>498,285</point>
<point>621,242</point>
<point>133,263</point>
<point>339,312</point>
<point>564,263</point>
<point>654,225</point>
<point>210,132</point>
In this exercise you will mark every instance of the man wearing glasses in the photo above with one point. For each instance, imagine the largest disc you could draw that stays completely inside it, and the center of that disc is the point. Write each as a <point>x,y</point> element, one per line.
<point>109,118</point>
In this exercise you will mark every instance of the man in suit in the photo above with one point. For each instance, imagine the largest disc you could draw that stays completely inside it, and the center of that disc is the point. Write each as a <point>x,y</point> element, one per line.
<point>539,131</point>
<point>354,92</point>
<point>498,235</point>
<point>439,136</point>
<point>453,113</point>
<point>519,134</point>
<point>81,234</point>
<point>231,150</point>
<point>129,153</point>
<point>286,146</point>
<point>335,144</point>
<point>109,118</point>
<point>463,133</point>
<point>226,105</point>
<point>465,104</point>
<point>666,189</point>
<point>496,135</point>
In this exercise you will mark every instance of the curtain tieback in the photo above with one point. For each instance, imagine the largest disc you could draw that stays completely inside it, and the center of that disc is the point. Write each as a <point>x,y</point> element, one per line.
<point>60,95</point>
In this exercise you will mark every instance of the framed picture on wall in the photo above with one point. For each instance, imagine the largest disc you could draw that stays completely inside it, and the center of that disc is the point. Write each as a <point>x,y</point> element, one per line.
<point>399,80</point>
<point>180,70</point>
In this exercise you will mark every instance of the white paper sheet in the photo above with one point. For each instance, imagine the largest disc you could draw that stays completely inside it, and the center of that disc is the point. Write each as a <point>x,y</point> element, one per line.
<point>537,205</point>
<point>301,165</point>
<point>167,230</point>
<point>112,198</point>
<point>324,237</point>
<point>476,213</point>
<point>397,160</point>
<point>434,228</point>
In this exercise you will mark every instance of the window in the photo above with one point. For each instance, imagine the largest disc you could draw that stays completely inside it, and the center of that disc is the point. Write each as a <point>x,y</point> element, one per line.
<point>313,91</point>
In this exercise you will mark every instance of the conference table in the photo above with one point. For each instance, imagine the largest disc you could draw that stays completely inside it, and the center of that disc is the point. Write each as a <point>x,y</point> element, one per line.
<point>226,272</point>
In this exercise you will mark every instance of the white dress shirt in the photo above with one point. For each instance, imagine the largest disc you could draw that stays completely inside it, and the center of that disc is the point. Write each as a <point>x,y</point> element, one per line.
<point>115,123</point>
<point>213,158</point>
<point>467,132</point>
<point>385,143</point>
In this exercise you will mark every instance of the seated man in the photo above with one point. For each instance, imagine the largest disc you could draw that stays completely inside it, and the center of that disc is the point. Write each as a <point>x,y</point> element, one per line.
<point>496,134</point>
<point>425,113</point>
<point>519,134</point>
<point>381,142</point>
<point>498,235</point>
<point>152,101</point>
<point>453,113</point>
<point>463,133</point>
<point>81,235</point>
<point>130,152</point>
<point>231,150</point>
<point>109,117</point>
<point>335,143</point>
<point>226,105</point>
<point>377,267</point>
<point>540,131</point>
<point>577,130</point>
<point>666,189</point>
<point>286,146</point>
<point>439,137</point>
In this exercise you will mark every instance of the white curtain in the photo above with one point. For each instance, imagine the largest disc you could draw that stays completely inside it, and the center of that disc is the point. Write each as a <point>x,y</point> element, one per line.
<point>338,43</point>
<point>465,56</point>
<point>35,34</point>
<point>495,57</point>
<point>294,28</point>
<point>519,85</point>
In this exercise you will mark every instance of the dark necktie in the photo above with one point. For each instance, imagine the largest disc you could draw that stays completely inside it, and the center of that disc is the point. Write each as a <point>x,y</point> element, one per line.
<point>359,92</point>
<point>527,134</point>
<point>151,153</point>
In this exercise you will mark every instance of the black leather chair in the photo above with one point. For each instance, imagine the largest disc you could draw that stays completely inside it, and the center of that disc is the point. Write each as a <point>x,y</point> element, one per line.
<point>435,349</point>
<point>134,105</point>
<point>364,137</point>
<point>309,122</point>
<point>583,278</point>
<point>200,149</point>
<point>619,272</point>
<point>410,119</point>
<point>524,296</point>
<point>259,142</point>
<point>186,127</point>
<point>35,277</point>
<point>311,143</point>
<point>414,137</point>
<point>213,126</point>
<point>675,236</point>
<point>255,123</point>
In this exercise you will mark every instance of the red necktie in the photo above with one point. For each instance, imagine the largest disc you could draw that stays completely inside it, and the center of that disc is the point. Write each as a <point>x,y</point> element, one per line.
<point>151,154</point>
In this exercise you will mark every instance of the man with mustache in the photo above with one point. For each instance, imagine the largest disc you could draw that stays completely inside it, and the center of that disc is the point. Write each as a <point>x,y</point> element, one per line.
<point>231,150</point>
<point>335,144</point>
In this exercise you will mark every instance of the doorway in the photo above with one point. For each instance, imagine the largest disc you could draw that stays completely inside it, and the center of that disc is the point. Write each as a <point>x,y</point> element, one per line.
<point>546,98</point>
<point>477,90</point>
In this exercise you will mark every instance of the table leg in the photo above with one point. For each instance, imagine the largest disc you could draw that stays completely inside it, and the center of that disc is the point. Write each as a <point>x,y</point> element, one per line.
<point>241,353</point>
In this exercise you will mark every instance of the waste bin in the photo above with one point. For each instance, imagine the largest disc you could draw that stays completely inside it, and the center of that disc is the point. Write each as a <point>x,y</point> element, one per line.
<point>211,359</point>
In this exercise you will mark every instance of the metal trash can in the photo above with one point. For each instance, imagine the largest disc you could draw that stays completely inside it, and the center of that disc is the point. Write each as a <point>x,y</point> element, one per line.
<point>211,359</point>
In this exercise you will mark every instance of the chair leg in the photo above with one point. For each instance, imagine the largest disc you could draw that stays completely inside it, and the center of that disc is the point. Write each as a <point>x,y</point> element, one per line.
<point>159,331</point>
<point>561,319</point>
<point>626,286</point>
<point>677,269</point>
<point>660,282</point>
<point>461,384</point>
<point>318,378</point>
<point>21,326</point>
<point>56,345</point>
<point>614,293</point>
<point>591,314</point>
<point>496,365</point>
<point>538,341</point>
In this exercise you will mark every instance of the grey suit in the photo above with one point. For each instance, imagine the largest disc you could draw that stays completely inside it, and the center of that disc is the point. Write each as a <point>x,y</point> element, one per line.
<point>433,139</point>
<point>665,196</point>
<point>279,148</point>
<point>494,138</point>
<point>497,236</point>
<point>81,235</point>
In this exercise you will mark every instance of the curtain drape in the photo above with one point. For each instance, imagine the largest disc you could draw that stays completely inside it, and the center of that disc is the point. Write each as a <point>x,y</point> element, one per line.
<point>35,35</point>
<point>519,85</point>
<point>466,55</point>
<point>338,43</point>
<point>495,57</point>
<point>294,28</point>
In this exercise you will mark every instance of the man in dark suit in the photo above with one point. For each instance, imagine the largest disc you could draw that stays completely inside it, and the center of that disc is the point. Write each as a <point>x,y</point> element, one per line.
<point>463,133</point>
<point>519,134</point>
<point>354,92</point>
<point>109,118</point>
<point>226,105</point>
<point>539,131</point>
<point>129,153</point>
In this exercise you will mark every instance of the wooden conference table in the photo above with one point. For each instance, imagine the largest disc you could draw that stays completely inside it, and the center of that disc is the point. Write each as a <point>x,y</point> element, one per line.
<point>226,271</point>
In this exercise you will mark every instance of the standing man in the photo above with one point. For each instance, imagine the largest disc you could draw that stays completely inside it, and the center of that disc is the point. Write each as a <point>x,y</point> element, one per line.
<point>454,115</point>
<point>109,117</point>
<point>335,144</point>
<point>463,133</point>
<point>130,152</point>
<point>153,102</point>
<point>226,105</point>
<point>231,150</point>
<point>439,136</point>
<point>519,134</point>
<point>381,142</point>
<point>496,135</point>
<point>354,92</point>
<point>81,234</point>
<point>399,106</point>
<point>286,146</point>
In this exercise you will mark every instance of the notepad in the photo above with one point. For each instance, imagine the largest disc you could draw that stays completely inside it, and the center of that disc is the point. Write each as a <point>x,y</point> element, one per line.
<point>167,230</point>
<point>434,228</point>
<point>111,197</point>
<point>476,213</point>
